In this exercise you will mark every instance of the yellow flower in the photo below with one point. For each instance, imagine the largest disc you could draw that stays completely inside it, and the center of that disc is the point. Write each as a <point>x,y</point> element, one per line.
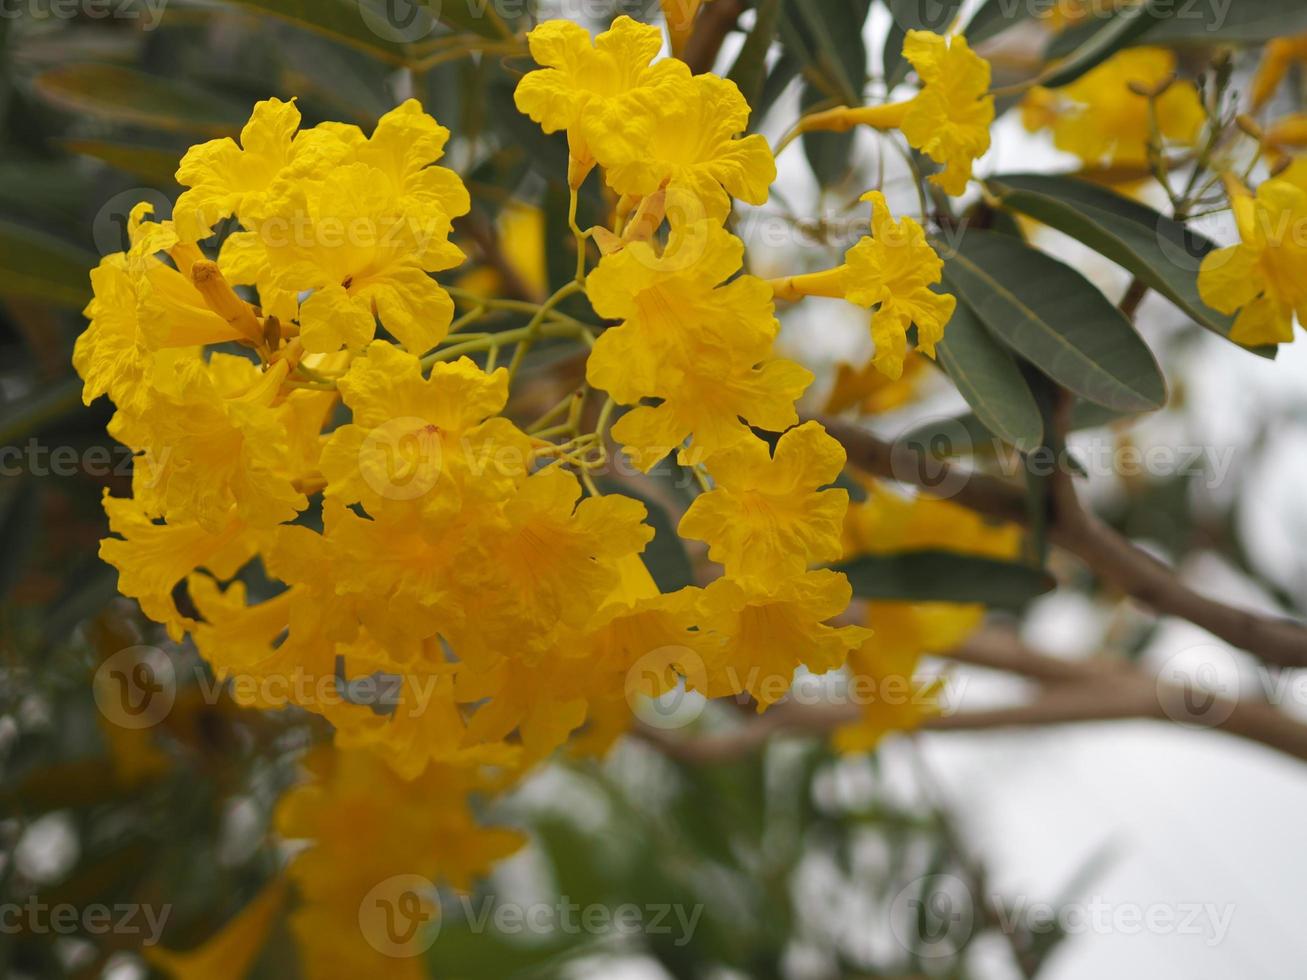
<point>152,558</point>
<point>1100,119</point>
<point>581,77</point>
<point>764,635</point>
<point>888,522</point>
<point>892,271</point>
<point>673,306</point>
<point>887,664</point>
<point>704,349</point>
<point>365,826</point>
<point>422,439</point>
<point>213,442</point>
<point>352,242</point>
<point>870,392</point>
<point>141,305</point>
<point>767,519</point>
<point>949,120</point>
<point>1279,55</point>
<point>560,553</point>
<point>232,950</point>
<point>1264,278</point>
<point>225,178</point>
<point>683,137</point>
<point>704,403</point>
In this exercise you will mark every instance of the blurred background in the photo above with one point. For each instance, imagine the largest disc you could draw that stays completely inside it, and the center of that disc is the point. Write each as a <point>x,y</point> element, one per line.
<point>1133,849</point>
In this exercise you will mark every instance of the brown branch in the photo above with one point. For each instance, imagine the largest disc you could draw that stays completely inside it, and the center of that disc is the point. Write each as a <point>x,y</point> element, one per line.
<point>1115,559</point>
<point>716,20</point>
<point>1071,692</point>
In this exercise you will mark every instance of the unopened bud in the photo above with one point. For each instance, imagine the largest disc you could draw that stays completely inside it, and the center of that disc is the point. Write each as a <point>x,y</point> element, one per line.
<point>1249,126</point>
<point>1152,91</point>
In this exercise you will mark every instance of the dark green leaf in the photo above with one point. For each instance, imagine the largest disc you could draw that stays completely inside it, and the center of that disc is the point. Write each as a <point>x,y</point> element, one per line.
<point>750,69</point>
<point>124,95</point>
<point>1055,318</point>
<point>1162,252</point>
<point>34,265</point>
<point>387,29</point>
<point>1099,39</point>
<point>1231,22</point>
<point>995,17</point>
<point>827,37</point>
<point>944,576</point>
<point>988,377</point>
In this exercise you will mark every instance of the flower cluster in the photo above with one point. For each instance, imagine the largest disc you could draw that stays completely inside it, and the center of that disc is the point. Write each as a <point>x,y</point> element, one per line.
<point>330,486</point>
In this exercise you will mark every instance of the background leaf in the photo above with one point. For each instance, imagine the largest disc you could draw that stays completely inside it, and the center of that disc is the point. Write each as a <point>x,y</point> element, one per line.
<point>944,576</point>
<point>1160,251</point>
<point>987,375</point>
<point>1058,320</point>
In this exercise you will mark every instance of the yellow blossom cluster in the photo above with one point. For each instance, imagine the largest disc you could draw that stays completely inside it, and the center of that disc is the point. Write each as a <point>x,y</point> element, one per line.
<point>333,502</point>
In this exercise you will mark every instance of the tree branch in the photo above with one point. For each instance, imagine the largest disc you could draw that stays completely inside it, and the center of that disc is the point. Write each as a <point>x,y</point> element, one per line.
<point>1071,692</point>
<point>716,20</point>
<point>1115,559</point>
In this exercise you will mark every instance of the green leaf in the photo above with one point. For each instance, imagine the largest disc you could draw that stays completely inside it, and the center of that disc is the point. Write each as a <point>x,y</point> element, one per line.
<point>827,37</point>
<point>1100,39</point>
<point>150,163</point>
<point>1055,318</point>
<point>913,15</point>
<point>830,155</point>
<point>1161,252</point>
<point>124,95</point>
<point>37,266</point>
<point>750,69</point>
<point>383,28</point>
<point>988,377</point>
<point>995,17</point>
<point>944,576</point>
<point>1235,22</point>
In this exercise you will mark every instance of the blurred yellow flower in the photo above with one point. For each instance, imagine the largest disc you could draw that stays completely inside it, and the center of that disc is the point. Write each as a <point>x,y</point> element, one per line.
<point>767,633</point>
<point>1101,119</point>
